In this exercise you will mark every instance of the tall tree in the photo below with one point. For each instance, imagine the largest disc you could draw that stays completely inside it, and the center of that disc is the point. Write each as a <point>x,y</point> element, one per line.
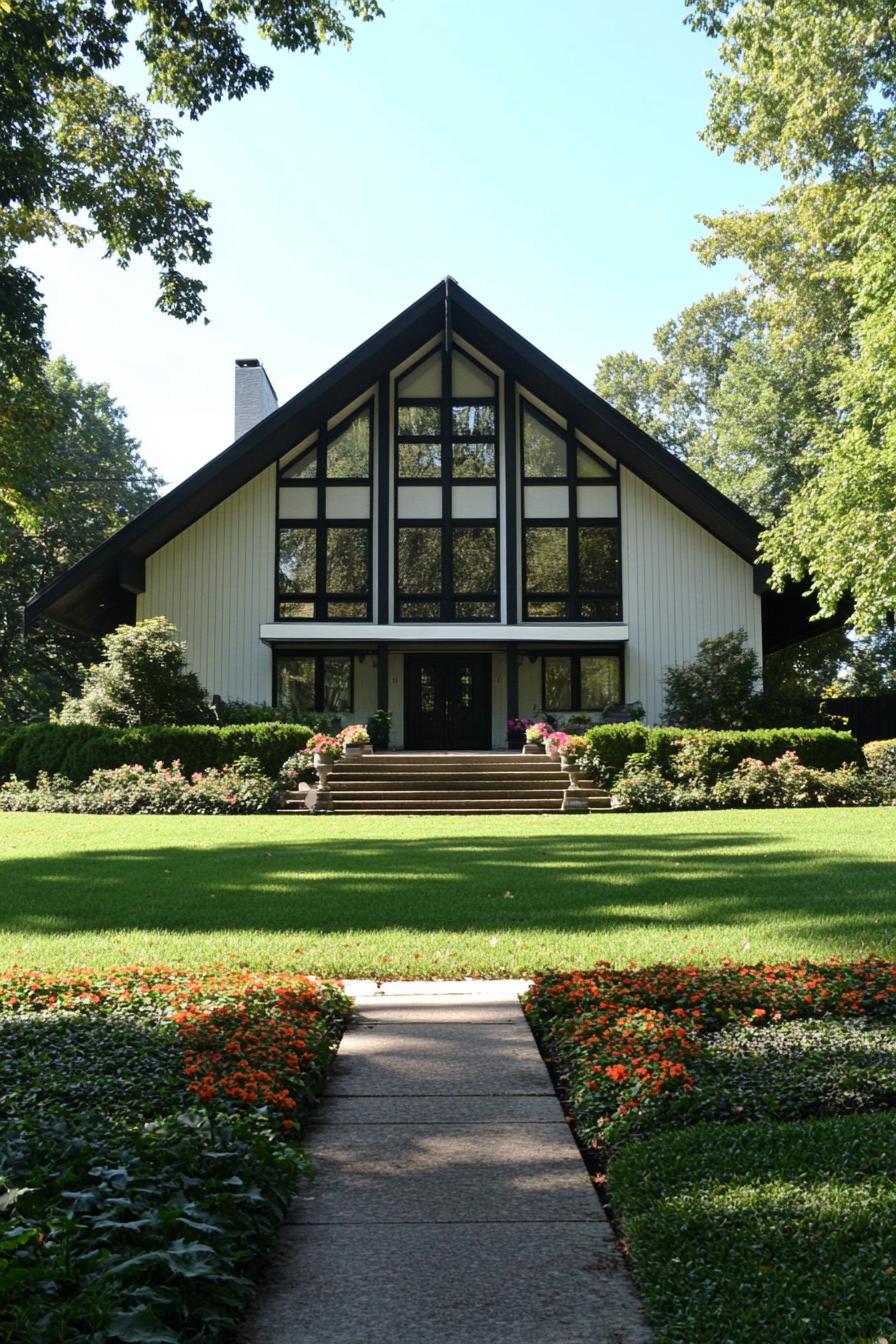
<point>81,157</point>
<point>810,89</point>
<point>87,480</point>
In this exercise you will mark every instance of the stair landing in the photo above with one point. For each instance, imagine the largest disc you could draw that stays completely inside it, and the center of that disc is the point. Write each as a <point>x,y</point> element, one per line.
<point>440,783</point>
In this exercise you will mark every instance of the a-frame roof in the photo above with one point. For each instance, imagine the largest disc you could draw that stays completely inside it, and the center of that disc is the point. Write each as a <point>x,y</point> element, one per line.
<point>97,593</point>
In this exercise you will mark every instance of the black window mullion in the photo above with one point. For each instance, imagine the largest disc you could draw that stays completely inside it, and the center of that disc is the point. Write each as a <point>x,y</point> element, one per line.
<point>447,558</point>
<point>572,540</point>
<point>320,568</point>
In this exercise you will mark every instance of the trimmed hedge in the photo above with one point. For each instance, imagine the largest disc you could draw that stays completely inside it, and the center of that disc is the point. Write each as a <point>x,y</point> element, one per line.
<point>611,745</point>
<point>77,749</point>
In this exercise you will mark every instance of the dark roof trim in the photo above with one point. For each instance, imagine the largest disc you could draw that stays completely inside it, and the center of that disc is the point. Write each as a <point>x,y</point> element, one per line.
<point>75,596</point>
<point>89,596</point>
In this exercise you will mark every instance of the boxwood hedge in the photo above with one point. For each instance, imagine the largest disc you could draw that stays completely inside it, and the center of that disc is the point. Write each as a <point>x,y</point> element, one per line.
<point>610,746</point>
<point>76,749</point>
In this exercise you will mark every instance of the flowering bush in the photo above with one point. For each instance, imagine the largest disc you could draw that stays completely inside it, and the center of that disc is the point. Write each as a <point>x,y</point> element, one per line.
<point>238,788</point>
<point>518,725</point>
<point>642,788</point>
<point>354,735</point>
<point>630,1041</point>
<point>329,749</point>
<point>297,769</point>
<point>148,1133</point>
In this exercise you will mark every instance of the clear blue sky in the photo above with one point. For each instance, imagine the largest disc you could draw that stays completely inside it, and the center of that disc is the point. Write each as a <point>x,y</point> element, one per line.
<point>545,154</point>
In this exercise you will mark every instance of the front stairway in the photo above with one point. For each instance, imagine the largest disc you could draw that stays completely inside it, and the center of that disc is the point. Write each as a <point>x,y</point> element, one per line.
<point>404,782</point>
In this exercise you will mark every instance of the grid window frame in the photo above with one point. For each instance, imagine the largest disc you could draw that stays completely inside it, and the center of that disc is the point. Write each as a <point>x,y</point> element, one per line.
<point>615,652</point>
<point>320,677</point>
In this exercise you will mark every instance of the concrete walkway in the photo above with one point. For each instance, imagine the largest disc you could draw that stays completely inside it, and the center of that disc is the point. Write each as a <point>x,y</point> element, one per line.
<point>451,1204</point>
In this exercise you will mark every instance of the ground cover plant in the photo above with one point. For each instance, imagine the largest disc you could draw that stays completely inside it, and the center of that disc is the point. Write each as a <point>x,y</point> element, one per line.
<point>744,1117</point>
<point>148,1142</point>
<point>235,789</point>
<point>445,896</point>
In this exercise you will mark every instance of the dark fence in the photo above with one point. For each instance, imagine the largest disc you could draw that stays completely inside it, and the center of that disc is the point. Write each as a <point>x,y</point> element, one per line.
<point>870,717</point>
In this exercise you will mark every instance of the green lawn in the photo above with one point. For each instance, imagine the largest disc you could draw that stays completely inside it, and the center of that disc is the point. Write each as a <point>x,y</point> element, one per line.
<point>446,896</point>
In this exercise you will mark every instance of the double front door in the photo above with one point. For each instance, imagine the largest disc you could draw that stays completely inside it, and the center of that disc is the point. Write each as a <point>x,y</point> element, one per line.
<point>447,701</point>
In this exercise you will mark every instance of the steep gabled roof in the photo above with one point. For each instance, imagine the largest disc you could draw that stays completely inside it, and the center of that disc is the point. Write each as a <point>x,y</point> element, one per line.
<point>97,593</point>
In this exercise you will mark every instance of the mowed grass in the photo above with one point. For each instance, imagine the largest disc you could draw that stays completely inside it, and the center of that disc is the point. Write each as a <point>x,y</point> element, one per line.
<point>411,897</point>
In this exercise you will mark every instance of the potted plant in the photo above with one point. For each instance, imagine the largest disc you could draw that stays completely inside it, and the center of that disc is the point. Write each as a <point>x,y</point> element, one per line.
<point>327,751</point>
<point>554,743</point>
<point>355,741</point>
<point>516,733</point>
<point>535,735</point>
<point>379,726</point>
<point>574,749</point>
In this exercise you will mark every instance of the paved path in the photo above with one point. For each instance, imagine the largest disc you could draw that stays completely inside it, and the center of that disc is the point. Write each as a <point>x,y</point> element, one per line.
<point>451,1204</point>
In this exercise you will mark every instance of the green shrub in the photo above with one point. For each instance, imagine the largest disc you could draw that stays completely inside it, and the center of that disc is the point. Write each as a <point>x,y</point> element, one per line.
<point>143,678</point>
<point>704,756</point>
<point>778,1230</point>
<point>76,750</point>
<point>642,788</point>
<point>238,789</point>
<point>881,759</point>
<point>716,690</point>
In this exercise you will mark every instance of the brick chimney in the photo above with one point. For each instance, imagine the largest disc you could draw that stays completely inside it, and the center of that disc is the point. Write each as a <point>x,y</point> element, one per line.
<point>254,397</point>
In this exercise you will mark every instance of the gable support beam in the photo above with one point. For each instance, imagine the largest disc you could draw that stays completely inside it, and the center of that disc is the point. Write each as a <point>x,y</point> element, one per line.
<point>510,501</point>
<point>132,573</point>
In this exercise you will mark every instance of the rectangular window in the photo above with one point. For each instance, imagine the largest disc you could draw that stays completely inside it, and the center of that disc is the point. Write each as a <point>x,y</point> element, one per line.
<point>420,560</point>
<point>474,560</point>
<point>323,573</point>
<point>547,559</point>
<point>323,565</point>
<point>314,682</point>
<point>589,682</point>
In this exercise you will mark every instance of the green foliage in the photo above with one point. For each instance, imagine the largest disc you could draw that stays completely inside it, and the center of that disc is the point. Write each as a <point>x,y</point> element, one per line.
<point>85,159</point>
<point>240,789</point>
<point>881,759</point>
<point>703,757</point>
<point>730,1227</point>
<point>142,679</point>
<point>379,726</point>
<point>717,689</point>
<point>75,750</point>
<point>70,474</point>
<point>134,1208</point>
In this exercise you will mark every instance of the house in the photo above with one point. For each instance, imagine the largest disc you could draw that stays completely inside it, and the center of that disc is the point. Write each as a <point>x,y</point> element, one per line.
<point>447,525</point>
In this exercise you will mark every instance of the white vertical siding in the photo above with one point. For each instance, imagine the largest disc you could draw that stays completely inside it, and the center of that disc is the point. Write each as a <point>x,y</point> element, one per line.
<point>215,581</point>
<point>679,585</point>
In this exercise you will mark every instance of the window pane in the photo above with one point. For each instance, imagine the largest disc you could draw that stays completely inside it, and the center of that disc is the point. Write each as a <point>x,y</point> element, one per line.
<point>475,611</point>
<point>419,611</point>
<point>295,683</point>
<point>598,559</point>
<point>420,420</point>
<point>347,560</point>
<point>295,611</point>
<point>419,559</point>
<point>474,552</point>
<point>545,611</point>
<point>304,468</point>
<point>544,449</point>
<point>349,453</point>
<point>547,560</point>
<point>588,465</point>
<point>601,682</point>
<point>347,611</point>
<point>297,560</point>
<point>600,609</point>
<point>419,459</point>
<point>337,684</point>
<point>473,420</point>
<point>473,459</point>
<point>558,684</point>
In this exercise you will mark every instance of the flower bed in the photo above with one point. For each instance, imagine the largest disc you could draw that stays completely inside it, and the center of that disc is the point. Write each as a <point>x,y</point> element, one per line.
<point>242,787</point>
<point>674,1065</point>
<point>148,1141</point>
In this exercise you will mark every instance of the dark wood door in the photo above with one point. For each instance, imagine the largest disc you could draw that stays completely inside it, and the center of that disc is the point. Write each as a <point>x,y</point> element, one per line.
<point>447,701</point>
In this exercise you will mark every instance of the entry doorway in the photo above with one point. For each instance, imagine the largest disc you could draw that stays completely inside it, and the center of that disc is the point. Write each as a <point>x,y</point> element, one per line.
<point>447,701</point>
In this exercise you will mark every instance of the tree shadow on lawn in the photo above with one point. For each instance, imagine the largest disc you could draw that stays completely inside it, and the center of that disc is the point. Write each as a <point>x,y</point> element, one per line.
<point>571,884</point>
